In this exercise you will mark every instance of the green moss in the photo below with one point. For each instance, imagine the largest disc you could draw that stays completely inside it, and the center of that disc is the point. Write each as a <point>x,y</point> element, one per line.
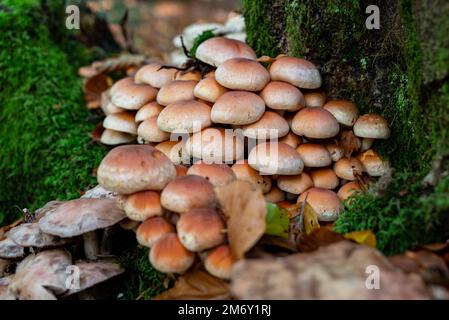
<point>199,40</point>
<point>46,150</point>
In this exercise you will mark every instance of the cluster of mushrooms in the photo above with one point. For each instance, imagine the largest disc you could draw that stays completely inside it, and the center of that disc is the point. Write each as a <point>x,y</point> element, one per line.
<point>269,125</point>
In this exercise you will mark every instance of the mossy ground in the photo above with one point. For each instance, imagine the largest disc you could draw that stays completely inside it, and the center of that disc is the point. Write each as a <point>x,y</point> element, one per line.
<point>400,71</point>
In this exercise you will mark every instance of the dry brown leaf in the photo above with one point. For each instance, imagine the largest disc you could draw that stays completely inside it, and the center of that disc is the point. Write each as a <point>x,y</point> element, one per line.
<point>349,142</point>
<point>196,285</point>
<point>365,237</point>
<point>93,88</point>
<point>120,63</point>
<point>97,132</point>
<point>244,209</point>
<point>319,237</point>
<point>5,229</point>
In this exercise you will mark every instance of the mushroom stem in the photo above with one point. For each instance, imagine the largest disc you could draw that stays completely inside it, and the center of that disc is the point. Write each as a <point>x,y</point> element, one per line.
<point>91,248</point>
<point>106,240</point>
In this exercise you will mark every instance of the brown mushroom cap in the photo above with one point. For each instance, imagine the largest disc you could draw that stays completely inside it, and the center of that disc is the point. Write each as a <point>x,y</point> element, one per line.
<point>238,108</point>
<point>122,122</point>
<point>348,189</point>
<point>242,74</point>
<point>152,230</point>
<point>121,84</point>
<point>175,151</point>
<point>372,126</point>
<point>298,72</point>
<point>275,158</point>
<point>132,168</point>
<point>209,89</point>
<point>188,75</point>
<point>324,178</point>
<point>169,256</point>
<point>113,138</point>
<point>148,131</point>
<point>324,202</point>
<point>270,126</point>
<point>200,229</point>
<point>314,155</point>
<point>132,97</point>
<point>154,75</point>
<point>215,145</point>
<point>219,262</point>
<point>188,192</point>
<point>280,95</point>
<point>185,116</point>
<point>335,151</point>
<point>141,205</point>
<point>295,184</point>
<point>315,123</point>
<point>373,164</point>
<point>243,171</point>
<point>215,51</point>
<point>344,111</point>
<point>348,169</point>
<point>217,174</point>
<point>314,98</point>
<point>274,195</point>
<point>175,91</point>
<point>291,139</point>
<point>147,111</point>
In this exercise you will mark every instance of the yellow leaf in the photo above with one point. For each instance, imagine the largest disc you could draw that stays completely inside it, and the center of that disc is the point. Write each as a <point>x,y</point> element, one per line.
<point>365,237</point>
<point>309,218</point>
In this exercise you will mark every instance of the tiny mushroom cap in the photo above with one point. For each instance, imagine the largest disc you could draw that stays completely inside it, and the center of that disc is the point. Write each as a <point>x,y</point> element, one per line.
<point>217,174</point>
<point>275,158</point>
<point>280,95</point>
<point>348,189</point>
<point>181,170</point>
<point>324,202</point>
<point>29,235</point>
<point>243,171</point>
<point>122,122</point>
<point>200,229</point>
<point>188,192</point>
<point>315,123</point>
<point>121,84</point>
<point>372,126</point>
<point>274,195</point>
<point>242,74</point>
<point>219,262</point>
<point>291,139</point>
<point>148,131</point>
<point>185,117</point>
<point>296,71</point>
<point>175,151</point>
<point>10,250</point>
<point>335,151</point>
<point>168,255</point>
<point>215,51</point>
<point>152,230</point>
<point>344,111</point>
<point>131,168</point>
<point>216,145</point>
<point>295,184</point>
<point>324,178</point>
<point>373,164</point>
<point>147,111</point>
<point>315,98</point>
<point>132,97</point>
<point>209,89</point>
<point>314,155</point>
<point>348,169</point>
<point>141,205</point>
<point>270,126</point>
<point>176,90</point>
<point>113,138</point>
<point>238,108</point>
<point>155,75</point>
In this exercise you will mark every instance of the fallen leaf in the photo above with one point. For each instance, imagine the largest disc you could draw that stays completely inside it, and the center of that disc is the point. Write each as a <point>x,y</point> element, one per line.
<point>365,237</point>
<point>309,218</point>
<point>244,208</point>
<point>196,285</point>
<point>349,142</point>
<point>97,132</point>
<point>277,220</point>
<point>93,88</point>
<point>318,238</point>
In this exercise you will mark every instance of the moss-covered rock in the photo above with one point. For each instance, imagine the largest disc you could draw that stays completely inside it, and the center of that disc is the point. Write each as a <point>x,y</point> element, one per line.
<point>46,152</point>
<point>400,71</point>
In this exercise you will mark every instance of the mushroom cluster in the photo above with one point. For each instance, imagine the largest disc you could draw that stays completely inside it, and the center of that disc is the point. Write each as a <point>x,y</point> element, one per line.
<point>271,126</point>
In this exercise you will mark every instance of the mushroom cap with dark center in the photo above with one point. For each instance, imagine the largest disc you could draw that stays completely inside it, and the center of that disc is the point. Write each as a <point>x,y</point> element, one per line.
<point>76,217</point>
<point>215,51</point>
<point>296,184</point>
<point>372,126</point>
<point>30,235</point>
<point>131,168</point>
<point>175,91</point>
<point>296,71</point>
<point>344,111</point>
<point>238,108</point>
<point>242,74</point>
<point>280,95</point>
<point>185,117</point>
<point>275,158</point>
<point>152,230</point>
<point>324,202</point>
<point>316,123</point>
<point>217,174</point>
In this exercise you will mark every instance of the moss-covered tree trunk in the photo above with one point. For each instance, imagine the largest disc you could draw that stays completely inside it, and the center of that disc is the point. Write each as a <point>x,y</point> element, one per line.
<point>400,71</point>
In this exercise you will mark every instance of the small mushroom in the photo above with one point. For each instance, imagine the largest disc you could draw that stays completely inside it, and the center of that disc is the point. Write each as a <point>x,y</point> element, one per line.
<point>314,155</point>
<point>296,71</point>
<point>324,202</point>
<point>219,262</point>
<point>372,126</point>
<point>82,217</point>
<point>373,164</point>
<point>155,75</point>
<point>348,169</point>
<point>275,158</point>
<point>122,122</point>
<point>335,151</point>
<point>270,126</point>
<point>175,91</point>
<point>113,138</point>
<point>147,111</point>
<point>291,139</point>
<point>217,174</point>
<point>148,131</point>
<point>242,74</point>
<point>152,230</point>
<point>141,205</point>
<point>344,111</point>
<point>324,178</point>
<point>29,235</point>
<point>274,195</point>
<point>296,184</point>
<point>243,171</point>
<point>238,108</point>
<point>134,96</point>
<point>280,95</point>
<point>185,117</point>
<point>209,89</point>
<point>348,189</point>
<point>314,98</point>
<point>316,123</point>
<point>120,84</point>
<point>10,250</point>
